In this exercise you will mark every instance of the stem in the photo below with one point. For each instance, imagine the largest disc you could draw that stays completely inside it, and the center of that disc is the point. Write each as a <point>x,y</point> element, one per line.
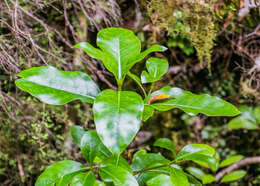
<point>151,89</point>
<point>156,167</point>
<point>142,88</point>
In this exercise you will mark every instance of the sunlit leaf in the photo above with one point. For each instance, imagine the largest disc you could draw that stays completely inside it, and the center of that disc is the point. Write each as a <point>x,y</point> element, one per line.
<point>230,160</point>
<point>165,143</point>
<point>118,175</point>
<point>60,173</point>
<point>92,146</point>
<point>117,118</point>
<point>178,177</point>
<point>143,160</point>
<point>193,104</point>
<point>77,133</point>
<point>57,87</point>
<point>160,180</point>
<point>232,176</point>
<point>83,179</point>
<point>156,69</point>
<point>120,50</point>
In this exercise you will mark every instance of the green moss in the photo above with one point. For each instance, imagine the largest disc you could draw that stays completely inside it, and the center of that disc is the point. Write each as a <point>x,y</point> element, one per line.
<point>195,19</point>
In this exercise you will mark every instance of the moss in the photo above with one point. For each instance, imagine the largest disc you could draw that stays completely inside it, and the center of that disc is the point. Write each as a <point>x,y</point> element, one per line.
<point>195,19</point>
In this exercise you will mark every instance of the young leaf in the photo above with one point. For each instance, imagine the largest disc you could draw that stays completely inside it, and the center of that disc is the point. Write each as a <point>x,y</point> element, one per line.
<point>193,104</point>
<point>165,143</point>
<point>60,173</point>
<point>232,176</point>
<point>231,160</point>
<point>156,69</point>
<point>142,55</point>
<point>92,146</point>
<point>143,160</point>
<point>178,177</point>
<point>77,133</point>
<point>57,87</point>
<point>160,180</point>
<point>120,50</point>
<point>83,179</point>
<point>118,175</point>
<point>117,118</point>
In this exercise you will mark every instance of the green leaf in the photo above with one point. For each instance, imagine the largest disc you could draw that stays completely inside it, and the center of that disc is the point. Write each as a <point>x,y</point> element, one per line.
<point>165,143</point>
<point>137,80</point>
<point>160,180</point>
<point>118,175</point>
<point>143,160</point>
<point>83,179</point>
<point>156,69</point>
<point>257,114</point>
<point>188,151</point>
<point>153,48</point>
<point>242,122</point>
<point>193,104</point>
<point>178,177</point>
<point>231,160</point>
<point>92,146</point>
<point>77,133</point>
<point>57,87</point>
<point>193,181</point>
<point>232,176</point>
<point>117,117</point>
<point>60,173</point>
<point>120,50</point>
<point>121,162</point>
<point>198,153</point>
<point>198,173</point>
<point>148,112</point>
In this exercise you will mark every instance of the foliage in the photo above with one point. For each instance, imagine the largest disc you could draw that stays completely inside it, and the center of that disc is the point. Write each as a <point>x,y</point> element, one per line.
<point>118,114</point>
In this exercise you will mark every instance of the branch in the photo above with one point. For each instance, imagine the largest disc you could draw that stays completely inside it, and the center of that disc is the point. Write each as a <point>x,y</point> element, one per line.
<point>237,165</point>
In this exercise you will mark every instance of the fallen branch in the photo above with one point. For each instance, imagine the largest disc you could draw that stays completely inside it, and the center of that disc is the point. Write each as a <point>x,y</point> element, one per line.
<point>237,165</point>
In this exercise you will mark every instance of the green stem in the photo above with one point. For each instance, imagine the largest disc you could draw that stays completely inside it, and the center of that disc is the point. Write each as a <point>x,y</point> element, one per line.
<point>156,167</point>
<point>151,89</point>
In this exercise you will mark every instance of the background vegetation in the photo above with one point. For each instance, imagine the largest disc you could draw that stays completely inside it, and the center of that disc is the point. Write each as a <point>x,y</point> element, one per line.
<point>214,47</point>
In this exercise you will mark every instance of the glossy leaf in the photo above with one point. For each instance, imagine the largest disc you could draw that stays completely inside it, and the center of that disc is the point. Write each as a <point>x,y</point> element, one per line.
<point>178,177</point>
<point>193,104</point>
<point>121,162</point>
<point>156,69</point>
<point>232,176</point>
<point>57,87</point>
<point>143,160</point>
<point>92,146</point>
<point>160,180</point>
<point>77,133</point>
<point>148,112</point>
<point>231,160</point>
<point>198,173</point>
<point>117,117</point>
<point>242,122</point>
<point>118,175</point>
<point>191,150</point>
<point>165,143</point>
<point>120,50</point>
<point>60,173</point>
<point>199,153</point>
<point>257,114</point>
<point>153,48</point>
<point>193,181</point>
<point>83,179</point>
